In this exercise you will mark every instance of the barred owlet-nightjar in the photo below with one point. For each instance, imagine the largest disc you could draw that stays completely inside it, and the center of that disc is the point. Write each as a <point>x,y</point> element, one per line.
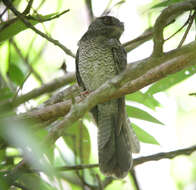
<point>100,57</point>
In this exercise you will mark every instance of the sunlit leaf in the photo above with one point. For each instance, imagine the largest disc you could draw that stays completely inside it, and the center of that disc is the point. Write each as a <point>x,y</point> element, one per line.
<point>120,2</point>
<point>32,181</point>
<point>3,184</point>
<point>20,134</point>
<point>2,155</point>
<point>42,134</point>
<point>15,74</point>
<point>171,80</point>
<point>143,136</point>
<point>12,27</point>
<point>4,58</point>
<point>5,93</point>
<point>77,138</point>
<point>142,98</point>
<point>141,114</point>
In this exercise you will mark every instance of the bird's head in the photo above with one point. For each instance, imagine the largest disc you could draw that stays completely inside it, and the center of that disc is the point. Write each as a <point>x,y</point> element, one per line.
<point>107,26</point>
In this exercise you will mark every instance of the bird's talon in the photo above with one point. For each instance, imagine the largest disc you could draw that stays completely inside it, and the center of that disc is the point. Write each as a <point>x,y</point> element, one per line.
<point>84,93</point>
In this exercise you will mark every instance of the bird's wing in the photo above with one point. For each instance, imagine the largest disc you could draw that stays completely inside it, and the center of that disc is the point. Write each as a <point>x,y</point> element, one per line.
<point>120,59</point>
<point>81,84</point>
<point>78,77</point>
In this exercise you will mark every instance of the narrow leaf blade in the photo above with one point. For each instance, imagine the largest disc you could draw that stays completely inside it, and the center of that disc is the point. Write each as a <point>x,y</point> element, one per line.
<point>12,27</point>
<point>145,99</point>
<point>141,114</point>
<point>171,80</point>
<point>143,136</point>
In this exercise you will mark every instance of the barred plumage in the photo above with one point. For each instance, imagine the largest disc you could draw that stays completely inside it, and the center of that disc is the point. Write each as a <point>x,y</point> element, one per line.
<point>100,57</point>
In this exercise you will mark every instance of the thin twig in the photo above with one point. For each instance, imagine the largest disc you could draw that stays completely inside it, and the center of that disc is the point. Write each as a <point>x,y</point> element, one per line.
<point>136,183</point>
<point>107,10</point>
<point>187,21</point>
<point>187,30</point>
<point>168,14</point>
<point>25,61</point>
<point>147,35</point>
<point>28,8</point>
<point>20,87</point>
<point>4,11</point>
<point>40,5</point>
<point>138,161</point>
<point>100,184</point>
<point>48,19</point>
<point>29,25</point>
<point>45,88</point>
<point>89,9</point>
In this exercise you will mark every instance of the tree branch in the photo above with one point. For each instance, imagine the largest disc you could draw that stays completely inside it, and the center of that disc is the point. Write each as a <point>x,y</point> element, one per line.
<point>28,8</point>
<point>147,35</point>
<point>29,25</point>
<point>191,19</point>
<point>136,76</point>
<point>168,14</point>
<point>89,10</point>
<point>138,161</point>
<point>45,88</point>
<point>134,177</point>
<point>66,94</point>
<point>26,62</point>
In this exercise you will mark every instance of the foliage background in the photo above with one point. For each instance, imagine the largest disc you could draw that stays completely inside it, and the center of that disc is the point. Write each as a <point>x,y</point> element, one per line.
<point>163,114</point>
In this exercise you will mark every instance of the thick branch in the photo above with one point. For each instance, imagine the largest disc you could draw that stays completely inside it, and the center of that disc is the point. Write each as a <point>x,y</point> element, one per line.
<point>137,75</point>
<point>167,15</point>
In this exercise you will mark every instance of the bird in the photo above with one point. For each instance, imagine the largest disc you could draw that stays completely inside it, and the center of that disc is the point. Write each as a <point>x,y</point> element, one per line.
<point>100,57</point>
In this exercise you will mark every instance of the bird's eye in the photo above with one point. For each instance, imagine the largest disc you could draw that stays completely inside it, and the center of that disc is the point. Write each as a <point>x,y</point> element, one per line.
<point>107,20</point>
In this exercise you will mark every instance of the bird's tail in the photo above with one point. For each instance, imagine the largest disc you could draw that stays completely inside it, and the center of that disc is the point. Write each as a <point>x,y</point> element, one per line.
<point>114,143</point>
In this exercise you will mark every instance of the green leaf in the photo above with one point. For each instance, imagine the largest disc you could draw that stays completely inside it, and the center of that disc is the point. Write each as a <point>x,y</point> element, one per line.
<point>12,27</point>
<point>171,80</point>
<point>141,114</point>
<point>49,150</point>
<point>166,3</point>
<point>15,74</point>
<point>120,3</point>
<point>34,181</point>
<point>77,138</point>
<point>3,182</point>
<point>143,136</point>
<point>4,58</point>
<point>5,93</point>
<point>145,99</point>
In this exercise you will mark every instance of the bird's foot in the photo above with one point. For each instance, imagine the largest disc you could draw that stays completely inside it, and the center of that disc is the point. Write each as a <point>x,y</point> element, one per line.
<point>85,93</point>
